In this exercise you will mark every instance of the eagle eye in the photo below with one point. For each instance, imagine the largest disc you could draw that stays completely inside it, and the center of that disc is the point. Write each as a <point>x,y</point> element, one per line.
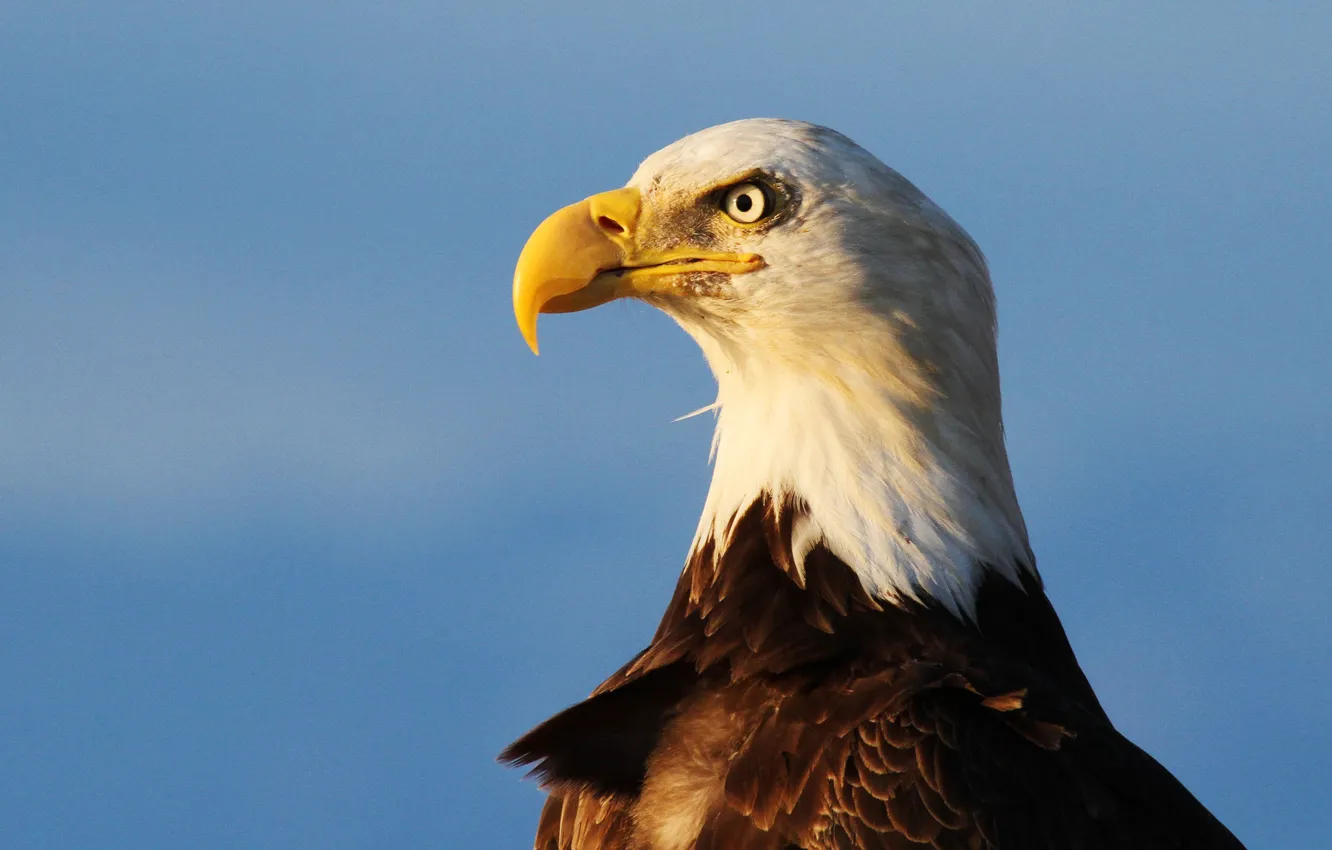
<point>748,202</point>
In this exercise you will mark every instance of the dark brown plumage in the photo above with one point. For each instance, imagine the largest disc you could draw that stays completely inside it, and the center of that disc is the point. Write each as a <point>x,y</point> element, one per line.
<point>774,710</point>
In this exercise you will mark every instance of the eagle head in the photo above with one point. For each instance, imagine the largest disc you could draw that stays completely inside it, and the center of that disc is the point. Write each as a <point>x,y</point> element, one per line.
<point>850,324</point>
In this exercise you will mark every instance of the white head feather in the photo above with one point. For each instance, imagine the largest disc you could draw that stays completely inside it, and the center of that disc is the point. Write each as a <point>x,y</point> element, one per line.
<point>857,370</point>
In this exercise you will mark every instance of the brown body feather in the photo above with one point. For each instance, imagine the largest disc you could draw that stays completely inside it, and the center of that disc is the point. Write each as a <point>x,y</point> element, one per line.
<point>777,708</point>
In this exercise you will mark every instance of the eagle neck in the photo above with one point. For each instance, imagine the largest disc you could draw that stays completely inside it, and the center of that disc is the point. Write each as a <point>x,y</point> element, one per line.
<point>915,500</point>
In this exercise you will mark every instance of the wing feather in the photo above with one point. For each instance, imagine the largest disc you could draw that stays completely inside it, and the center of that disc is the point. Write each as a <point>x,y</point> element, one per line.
<point>584,820</point>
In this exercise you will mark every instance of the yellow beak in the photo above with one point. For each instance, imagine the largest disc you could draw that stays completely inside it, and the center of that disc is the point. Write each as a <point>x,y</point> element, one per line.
<point>585,255</point>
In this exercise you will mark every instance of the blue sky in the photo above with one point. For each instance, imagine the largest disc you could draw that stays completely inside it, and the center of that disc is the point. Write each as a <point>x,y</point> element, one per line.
<point>296,533</point>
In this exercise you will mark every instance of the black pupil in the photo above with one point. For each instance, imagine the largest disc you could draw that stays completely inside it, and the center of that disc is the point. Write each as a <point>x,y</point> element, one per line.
<point>744,203</point>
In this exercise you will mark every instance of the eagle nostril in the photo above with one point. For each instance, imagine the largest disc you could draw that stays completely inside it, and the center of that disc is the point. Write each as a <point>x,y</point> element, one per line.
<point>610,225</point>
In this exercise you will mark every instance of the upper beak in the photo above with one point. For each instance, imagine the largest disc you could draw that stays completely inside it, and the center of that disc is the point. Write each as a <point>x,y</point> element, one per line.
<point>585,255</point>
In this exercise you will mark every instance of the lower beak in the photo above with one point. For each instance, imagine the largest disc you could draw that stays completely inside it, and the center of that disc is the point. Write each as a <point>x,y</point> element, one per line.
<point>584,255</point>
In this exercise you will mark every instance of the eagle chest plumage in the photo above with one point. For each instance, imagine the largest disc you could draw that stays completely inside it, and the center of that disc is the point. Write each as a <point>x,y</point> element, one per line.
<point>859,653</point>
<point>777,710</point>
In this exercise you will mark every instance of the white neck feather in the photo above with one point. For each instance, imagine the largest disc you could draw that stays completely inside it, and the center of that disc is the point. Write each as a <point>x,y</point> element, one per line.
<point>913,499</point>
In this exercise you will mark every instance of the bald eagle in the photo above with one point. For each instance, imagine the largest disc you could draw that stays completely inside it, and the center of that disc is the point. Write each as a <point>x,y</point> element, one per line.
<point>859,652</point>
